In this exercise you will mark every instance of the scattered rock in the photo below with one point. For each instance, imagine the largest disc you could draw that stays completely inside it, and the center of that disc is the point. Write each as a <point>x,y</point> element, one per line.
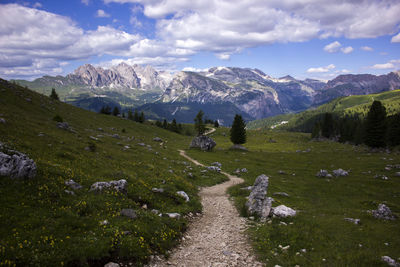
<point>383,177</point>
<point>105,222</point>
<point>141,144</point>
<point>116,136</point>
<point>281,172</point>
<point>2,120</point>
<point>283,211</point>
<point>184,195</point>
<point>203,142</point>
<point>72,184</point>
<point>156,212</point>
<point>100,129</point>
<point>190,175</point>
<point>322,173</point>
<point>238,147</point>
<point>16,164</point>
<point>130,213</point>
<point>94,138</point>
<point>214,168</point>
<point>157,190</point>
<point>219,165</point>
<point>258,203</point>
<point>173,215</point>
<point>248,188</point>
<point>119,185</point>
<point>340,172</point>
<point>243,170</point>
<point>272,140</point>
<point>111,264</point>
<point>383,212</point>
<point>390,261</point>
<point>63,125</point>
<point>70,192</point>
<point>355,221</point>
<point>397,174</point>
<point>157,139</point>
<point>281,194</point>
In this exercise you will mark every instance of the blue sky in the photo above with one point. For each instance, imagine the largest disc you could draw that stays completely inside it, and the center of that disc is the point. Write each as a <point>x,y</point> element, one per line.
<point>303,38</point>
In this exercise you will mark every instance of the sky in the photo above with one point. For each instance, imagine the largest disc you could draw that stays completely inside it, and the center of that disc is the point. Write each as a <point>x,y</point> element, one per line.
<point>303,38</point>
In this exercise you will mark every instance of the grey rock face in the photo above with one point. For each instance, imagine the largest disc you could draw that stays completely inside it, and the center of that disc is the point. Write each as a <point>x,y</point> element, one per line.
<point>119,185</point>
<point>340,172</point>
<point>184,195</point>
<point>258,202</point>
<point>72,184</point>
<point>203,142</point>
<point>130,213</point>
<point>16,164</point>
<point>283,211</point>
<point>383,212</point>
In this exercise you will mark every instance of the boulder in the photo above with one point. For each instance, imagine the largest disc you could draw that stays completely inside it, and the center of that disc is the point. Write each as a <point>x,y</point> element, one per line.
<point>130,213</point>
<point>283,211</point>
<point>72,184</point>
<point>184,195</point>
<point>16,164</point>
<point>258,203</point>
<point>340,172</point>
<point>119,186</point>
<point>203,142</point>
<point>383,212</point>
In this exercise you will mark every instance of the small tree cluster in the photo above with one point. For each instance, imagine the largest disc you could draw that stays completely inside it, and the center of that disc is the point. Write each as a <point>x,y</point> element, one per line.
<point>135,116</point>
<point>173,126</point>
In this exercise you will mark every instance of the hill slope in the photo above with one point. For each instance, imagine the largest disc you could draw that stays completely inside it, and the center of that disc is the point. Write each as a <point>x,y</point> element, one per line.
<point>41,224</point>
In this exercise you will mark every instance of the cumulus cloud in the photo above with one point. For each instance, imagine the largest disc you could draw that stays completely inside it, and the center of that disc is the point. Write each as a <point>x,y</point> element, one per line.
<point>347,50</point>
<point>396,38</point>
<point>332,47</point>
<point>321,69</point>
<point>392,64</point>
<point>85,2</point>
<point>102,14</point>
<point>367,48</point>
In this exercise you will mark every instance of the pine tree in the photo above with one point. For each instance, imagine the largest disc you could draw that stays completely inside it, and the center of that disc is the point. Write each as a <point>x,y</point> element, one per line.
<point>238,131</point>
<point>136,116</point>
<point>174,126</point>
<point>199,125</point>
<point>393,132</point>
<point>375,125</point>
<point>165,124</point>
<point>54,95</point>
<point>130,115</point>
<point>141,117</point>
<point>115,111</point>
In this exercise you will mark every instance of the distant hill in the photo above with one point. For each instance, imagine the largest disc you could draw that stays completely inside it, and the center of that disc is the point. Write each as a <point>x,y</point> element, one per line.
<point>351,105</point>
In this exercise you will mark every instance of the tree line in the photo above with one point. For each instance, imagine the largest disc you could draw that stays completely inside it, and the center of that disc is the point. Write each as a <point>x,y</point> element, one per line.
<point>377,129</point>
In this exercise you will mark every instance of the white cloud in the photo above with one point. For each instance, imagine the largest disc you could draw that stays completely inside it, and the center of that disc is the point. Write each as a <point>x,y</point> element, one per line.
<point>37,5</point>
<point>321,69</point>
<point>347,50</point>
<point>102,14</point>
<point>332,47</point>
<point>367,48</point>
<point>396,38</point>
<point>192,69</point>
<point>223,56</point>
<point>392,64</point>
<point>85,2</point>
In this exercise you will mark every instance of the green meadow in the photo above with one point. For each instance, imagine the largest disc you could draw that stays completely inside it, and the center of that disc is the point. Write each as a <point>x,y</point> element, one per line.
<point>42,225</point>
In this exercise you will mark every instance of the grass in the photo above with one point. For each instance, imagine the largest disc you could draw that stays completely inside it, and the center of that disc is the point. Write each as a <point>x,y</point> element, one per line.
<point>42,225</point>
<point>323,204</point>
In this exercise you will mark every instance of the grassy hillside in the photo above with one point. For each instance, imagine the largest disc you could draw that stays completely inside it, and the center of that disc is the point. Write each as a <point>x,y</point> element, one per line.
<point>351,105</point>
<point>42,225</point>
<point>322,204</point>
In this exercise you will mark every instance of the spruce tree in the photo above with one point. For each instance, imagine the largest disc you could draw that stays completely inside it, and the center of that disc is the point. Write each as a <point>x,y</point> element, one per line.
<point>238,131</point>
<point>54,94</point>
<point>375,125</point>
<point>199,125</point>
<point>115,111</point>
<point>130,115</point>
<point>141,117</point>
<point>393,132</point>
<point>136,116</point>
<point>165,124</point>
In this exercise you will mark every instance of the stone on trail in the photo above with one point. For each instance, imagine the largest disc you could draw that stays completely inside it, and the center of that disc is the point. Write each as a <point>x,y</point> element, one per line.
<point>16,164</point>
<point>119,185</point>
<point>184,195</point>
<point>203,142</point>
<point>383,212</point>
<point>283,211</point>
<point>258,203</point>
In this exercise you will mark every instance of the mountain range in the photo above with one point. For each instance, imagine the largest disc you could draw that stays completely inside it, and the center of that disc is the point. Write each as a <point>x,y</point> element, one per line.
<point>220,91</point>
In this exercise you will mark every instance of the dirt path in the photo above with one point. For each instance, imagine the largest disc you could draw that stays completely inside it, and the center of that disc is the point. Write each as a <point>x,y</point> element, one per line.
<point>217,237</point>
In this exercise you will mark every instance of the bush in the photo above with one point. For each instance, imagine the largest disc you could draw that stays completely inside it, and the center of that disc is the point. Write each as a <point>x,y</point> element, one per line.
<point>58,118</point>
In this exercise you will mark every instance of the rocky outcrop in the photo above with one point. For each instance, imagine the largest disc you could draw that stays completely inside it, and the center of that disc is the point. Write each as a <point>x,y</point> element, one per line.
<point>258,203</point>
<point>119,185</point>
<point>16,164</point>
<point>383,212</point>
<point>203,142</point>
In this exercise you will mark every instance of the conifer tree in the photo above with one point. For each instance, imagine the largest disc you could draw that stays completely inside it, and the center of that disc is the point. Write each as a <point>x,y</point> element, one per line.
<point>216,124</point>
<point>165,124</point>
<point>54,94</point>
<point>136,116</point>
<point>375,125</point>
<point>141,117</point>
<point>174,126</point>
<point>130,115</point>
<point>327,128</point>
<point>199,125</point>
<point>115,111</point>
<point>393,132</point>
<point>238,131</point>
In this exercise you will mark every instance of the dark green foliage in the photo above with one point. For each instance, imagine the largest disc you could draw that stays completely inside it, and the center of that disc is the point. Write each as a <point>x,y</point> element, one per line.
<point>141,117</point>
<point>54,94</point>
<point>327,126</point>
<point>165,124</point>
<point>130,115</point>
<point>58,118</point>
<point>216,124</point>
<point>199,125</point>
<point>375,125</point>
<point>92,147</point>
<point>136,116</point>
<point>174,127</point>
<point>393,131</point>
<point>105,110</point>
<point>316,132</point>
<point>116,111</point>
<point>238,131</point>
